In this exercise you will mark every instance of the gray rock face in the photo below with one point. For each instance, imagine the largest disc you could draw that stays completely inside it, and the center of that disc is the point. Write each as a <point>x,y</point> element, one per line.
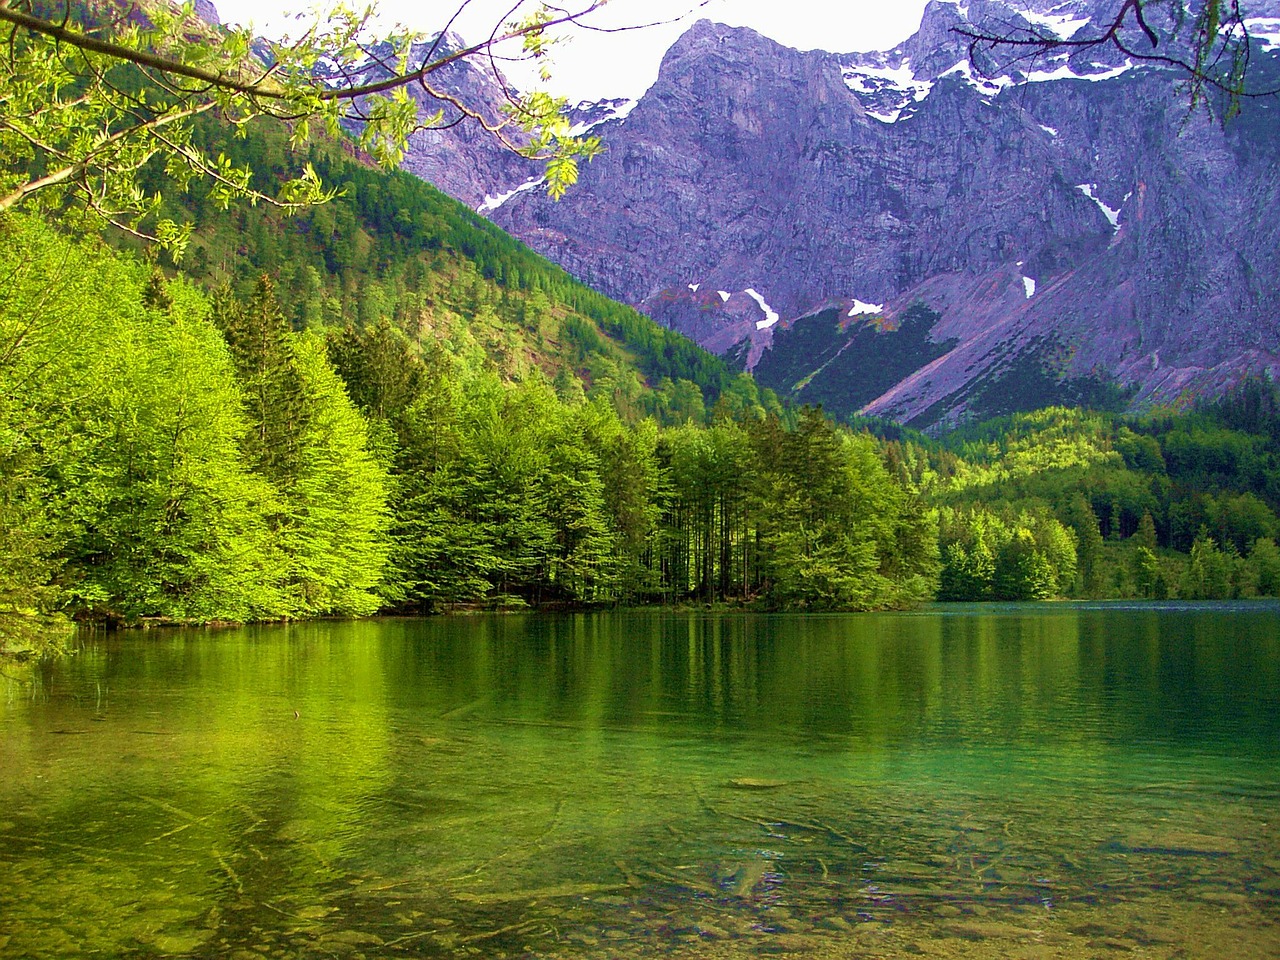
<point>1071,200</point>
<point>208,12</point>
<point>459,156</point>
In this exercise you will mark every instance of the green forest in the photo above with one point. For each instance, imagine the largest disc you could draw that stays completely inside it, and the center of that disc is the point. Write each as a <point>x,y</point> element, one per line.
<point>184,456</point>
<point>386,404</point>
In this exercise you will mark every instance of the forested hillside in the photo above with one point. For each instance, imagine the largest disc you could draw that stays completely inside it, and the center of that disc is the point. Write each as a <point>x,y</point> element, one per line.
<point>391,247</point>
<point>387,404</point>
<point>175,455</point>
<point>1176,503</point>
<point>180,456</point>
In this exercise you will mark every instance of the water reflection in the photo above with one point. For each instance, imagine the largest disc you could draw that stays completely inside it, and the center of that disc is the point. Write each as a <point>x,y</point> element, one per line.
<point>638,783</point>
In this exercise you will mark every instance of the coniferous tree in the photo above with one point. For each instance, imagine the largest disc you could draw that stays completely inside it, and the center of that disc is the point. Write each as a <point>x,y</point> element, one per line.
<point>634,498</point>
<point>1084,523</point>
<point>382,375</point>
<point>1145,536</point>
<point>582,540</point>
<point>261,345</point>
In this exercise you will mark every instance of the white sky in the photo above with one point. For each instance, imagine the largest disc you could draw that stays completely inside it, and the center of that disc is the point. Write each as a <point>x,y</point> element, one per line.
<point>594,66</point>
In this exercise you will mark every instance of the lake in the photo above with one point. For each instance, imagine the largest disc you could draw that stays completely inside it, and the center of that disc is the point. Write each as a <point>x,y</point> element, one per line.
<point>1031,781</point>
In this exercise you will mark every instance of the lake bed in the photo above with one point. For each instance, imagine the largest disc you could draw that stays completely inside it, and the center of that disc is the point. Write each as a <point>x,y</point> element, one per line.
<point>1054,780</point>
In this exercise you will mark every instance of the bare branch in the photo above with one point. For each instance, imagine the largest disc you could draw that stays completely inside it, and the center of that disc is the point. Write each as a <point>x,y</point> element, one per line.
<point>1212,46</point>
<point>264,86</point>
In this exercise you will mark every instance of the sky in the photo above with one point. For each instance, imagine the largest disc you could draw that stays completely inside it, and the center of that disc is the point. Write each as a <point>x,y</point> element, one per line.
<point>596,66</point>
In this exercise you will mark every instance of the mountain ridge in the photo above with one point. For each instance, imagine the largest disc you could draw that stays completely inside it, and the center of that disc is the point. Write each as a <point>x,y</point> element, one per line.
<point>1072,201</point>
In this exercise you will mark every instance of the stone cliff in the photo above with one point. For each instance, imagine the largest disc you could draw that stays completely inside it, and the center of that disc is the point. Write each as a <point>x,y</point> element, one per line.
<point>1069,207</point>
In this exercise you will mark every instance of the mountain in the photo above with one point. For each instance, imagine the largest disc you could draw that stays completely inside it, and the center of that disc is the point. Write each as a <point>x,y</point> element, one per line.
<point>1072,227</point>
<point>459,156</point>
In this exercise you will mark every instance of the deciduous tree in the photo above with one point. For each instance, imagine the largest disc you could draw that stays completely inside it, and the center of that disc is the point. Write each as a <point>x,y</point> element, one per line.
<point>92,95</point>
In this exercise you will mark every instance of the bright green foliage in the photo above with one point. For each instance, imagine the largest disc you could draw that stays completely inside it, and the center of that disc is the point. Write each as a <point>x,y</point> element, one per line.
<point>377,365</point>
<point>804,518</point>
<point>28,533</point>
<point>1145,536</point>
<point>1148,578</point>
<point>1021,571</point>
<point>168,519</point>
<point>985,556</point>
<point>96,99</point>
<point>1079,517</point>
<point>582,535</point>
<point>130,434</point>
<point>393,250</point>
<point>261,344</point>
<point>509,493</point>
<point>1168,504</point>
<point>1208,572</point>
<point>145,478</point>
<point>440,553</point>
<point>336,519</point>
<point>1264,563</point>
<point>306,437</point>
<point>832,511</point>
<point>633,497</point>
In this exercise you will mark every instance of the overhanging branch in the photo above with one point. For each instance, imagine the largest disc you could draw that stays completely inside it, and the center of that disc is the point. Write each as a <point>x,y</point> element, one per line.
<point>1200,70</point>
<point>266,87</point>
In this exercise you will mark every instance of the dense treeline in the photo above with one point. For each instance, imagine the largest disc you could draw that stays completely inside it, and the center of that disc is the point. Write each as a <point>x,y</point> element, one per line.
<point>1169,504</point>
<point>154,468</point>
<point>510,493</point>
<point>187,456</point>
<point>167,454</point>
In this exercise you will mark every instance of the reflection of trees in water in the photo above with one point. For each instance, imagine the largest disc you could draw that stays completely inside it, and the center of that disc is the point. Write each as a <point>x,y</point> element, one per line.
<point>625,785</point>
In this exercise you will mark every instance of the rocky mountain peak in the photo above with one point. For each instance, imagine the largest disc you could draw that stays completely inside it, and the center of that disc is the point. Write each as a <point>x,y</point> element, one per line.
<point>1066,208</point>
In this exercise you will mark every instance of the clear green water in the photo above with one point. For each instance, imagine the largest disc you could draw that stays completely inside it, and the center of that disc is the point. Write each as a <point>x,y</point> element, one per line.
<point>1048,781</point>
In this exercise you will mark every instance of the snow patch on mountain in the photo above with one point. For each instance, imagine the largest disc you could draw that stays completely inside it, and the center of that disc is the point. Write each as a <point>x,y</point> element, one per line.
<point>493,203</point>
<point>887,91</point>
<point>987,85</point>
<point>1062,27</point>
<point>593,115</point>
<point>1112,214</point>
<point>770,315</point>
<point>861,307</point>
<point>1068,72</point>
<point>1264,30</point>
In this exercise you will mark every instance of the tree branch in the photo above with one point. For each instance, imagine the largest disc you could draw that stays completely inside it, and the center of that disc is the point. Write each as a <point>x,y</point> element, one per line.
<point>80,166</point>
<point>1201,72</point>
<point>84,41</point>
<point>265,87</point>
<point>31,186</point>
